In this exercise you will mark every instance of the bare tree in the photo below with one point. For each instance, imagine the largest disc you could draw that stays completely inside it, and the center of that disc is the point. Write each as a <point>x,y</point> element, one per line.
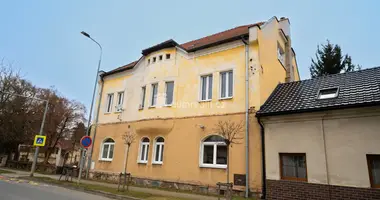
<point>17,118</point>
<point>61,119</point>
<point>230,131</point>
<point>21,117</point>
<point>129,137</point>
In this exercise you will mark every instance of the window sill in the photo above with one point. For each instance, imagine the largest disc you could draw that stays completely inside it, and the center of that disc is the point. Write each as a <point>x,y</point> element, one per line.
<point>294,179</point>
<point>203,101</point>
<point>156,163</point>
<point>168,105</point>
<point>107,113</point>
<point>117,111</point>
<point>225,98</point>
<point>213,166</point>
<point>150,107</point>
<point>142,162</point>
<point>141,108</point>
<point>105,160</point>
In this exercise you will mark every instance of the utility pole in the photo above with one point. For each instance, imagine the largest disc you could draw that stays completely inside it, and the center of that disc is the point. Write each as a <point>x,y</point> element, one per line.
<point>41,133</point>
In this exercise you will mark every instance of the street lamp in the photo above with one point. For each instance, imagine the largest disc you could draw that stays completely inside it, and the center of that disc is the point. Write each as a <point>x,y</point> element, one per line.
<point>41,128</point>
<point>92,102</point>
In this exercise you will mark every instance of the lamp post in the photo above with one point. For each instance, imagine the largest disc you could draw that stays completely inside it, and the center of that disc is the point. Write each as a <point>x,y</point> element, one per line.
<point>41,127</point>
<point>92,103</point>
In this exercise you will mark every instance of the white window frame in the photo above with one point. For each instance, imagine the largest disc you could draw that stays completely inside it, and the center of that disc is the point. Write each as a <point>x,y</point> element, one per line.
<point>119,105</point>
<point>109,103</point>
<point>160,154</point>
<point>227,83</point>
<point>329,95</point>
<point>214,144</point>
<point>109,144</point>
<point>142,97</point>
<point>166,89</point>
<point>209,77</point>
<point>146,144</point>
<point>152,95</point>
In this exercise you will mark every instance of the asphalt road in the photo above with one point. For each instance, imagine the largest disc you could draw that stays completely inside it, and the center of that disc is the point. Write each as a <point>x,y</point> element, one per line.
<point>13,189</point>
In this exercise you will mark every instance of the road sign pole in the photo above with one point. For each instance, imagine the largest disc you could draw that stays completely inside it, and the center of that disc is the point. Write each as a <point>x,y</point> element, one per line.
<point>37,148</point>
<point>81,164</point>
<point>85,142</point>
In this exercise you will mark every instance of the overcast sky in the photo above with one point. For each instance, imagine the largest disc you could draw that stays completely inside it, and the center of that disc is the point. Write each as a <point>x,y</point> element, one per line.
<point>43,40</point>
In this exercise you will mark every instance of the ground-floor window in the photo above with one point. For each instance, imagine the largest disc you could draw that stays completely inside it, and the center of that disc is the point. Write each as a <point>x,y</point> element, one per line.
<point>213,152</point>
<point>158,154</point>
<point>374,170</point>
<point>107,149</point>
<point>293,166</point>
<point>144,150</point>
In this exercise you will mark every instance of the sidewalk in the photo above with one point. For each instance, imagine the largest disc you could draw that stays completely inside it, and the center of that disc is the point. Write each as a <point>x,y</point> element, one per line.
<point>158,192</point>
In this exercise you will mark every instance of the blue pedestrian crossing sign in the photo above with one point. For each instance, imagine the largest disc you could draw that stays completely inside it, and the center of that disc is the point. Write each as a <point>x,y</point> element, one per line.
<point>39,140</point>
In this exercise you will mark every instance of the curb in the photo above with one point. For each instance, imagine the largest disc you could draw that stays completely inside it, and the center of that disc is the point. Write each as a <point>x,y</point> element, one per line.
<point>97,192</point>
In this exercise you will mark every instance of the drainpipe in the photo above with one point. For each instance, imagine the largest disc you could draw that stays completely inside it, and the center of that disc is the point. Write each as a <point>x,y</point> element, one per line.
<point>96,123</point>
<point>325,150</point>
<point>246,44</point>
<point>264,183</point>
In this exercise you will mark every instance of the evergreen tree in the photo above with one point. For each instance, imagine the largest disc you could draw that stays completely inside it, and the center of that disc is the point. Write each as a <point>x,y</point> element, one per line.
<point>330,60</point>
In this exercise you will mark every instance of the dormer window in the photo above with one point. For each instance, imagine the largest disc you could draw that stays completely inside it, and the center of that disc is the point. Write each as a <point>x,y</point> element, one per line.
<point>167,56</point>
<point>160,57</point>
<point>328,93</point>
<point>154,59</point>
<point>148,61</point>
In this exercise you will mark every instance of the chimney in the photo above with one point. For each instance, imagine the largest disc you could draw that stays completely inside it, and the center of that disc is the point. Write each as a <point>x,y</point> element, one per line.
<point>288,60</point>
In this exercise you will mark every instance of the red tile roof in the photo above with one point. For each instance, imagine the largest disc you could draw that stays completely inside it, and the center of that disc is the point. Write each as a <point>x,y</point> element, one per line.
<point>201,43</point>
<point>219,37</point>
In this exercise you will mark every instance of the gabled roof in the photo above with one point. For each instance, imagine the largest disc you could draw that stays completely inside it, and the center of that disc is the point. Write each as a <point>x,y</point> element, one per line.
<point>205,42</point>
<point>355,89</point>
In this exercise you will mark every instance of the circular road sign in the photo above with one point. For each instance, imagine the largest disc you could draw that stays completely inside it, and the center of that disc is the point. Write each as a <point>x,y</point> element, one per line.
<point>86,141</point>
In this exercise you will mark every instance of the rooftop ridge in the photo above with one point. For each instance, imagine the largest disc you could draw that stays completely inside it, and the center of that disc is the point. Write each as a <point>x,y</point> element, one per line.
<point>219,33</point>
<point>332,75</point>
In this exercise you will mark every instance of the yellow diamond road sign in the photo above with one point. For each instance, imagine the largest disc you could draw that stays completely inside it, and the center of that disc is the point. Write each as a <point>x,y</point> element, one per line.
<point>39,140</point>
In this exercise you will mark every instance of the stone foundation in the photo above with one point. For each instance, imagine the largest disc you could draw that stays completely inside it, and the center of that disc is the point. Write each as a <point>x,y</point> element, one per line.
<point>285,190</point>
<point>201,189</point>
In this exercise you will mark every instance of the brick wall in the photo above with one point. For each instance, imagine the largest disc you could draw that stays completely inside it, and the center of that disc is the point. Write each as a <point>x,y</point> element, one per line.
<point>283,189</point>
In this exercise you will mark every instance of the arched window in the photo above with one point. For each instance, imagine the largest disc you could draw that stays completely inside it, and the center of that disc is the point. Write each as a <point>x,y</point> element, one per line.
<point>107,149</point>
<point>158,153</point>
<point>144,150</point>
<point>213,152</point>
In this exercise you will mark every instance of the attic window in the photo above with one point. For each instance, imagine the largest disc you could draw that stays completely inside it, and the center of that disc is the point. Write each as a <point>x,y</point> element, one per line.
<point>168,56</point>
<point>280,54</point>
<point>160,57</point>
<point>148,61</point>
<point>154,59</point>
<point>328,93</point>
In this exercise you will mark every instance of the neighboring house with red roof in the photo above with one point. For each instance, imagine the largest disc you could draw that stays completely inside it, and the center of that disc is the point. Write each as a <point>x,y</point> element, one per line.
<point>173,96</point>
<point>65,152</point>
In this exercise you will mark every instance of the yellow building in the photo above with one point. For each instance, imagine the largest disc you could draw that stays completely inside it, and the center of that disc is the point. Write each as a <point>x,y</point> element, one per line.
<point>175,94</point>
